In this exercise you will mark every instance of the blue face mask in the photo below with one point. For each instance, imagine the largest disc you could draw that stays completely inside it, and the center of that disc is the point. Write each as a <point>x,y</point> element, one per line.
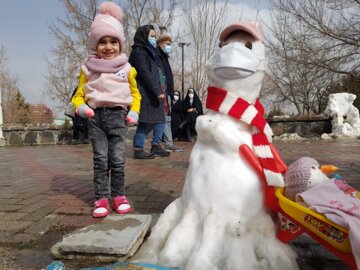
<point>167,49</point>
<point>152,41</point>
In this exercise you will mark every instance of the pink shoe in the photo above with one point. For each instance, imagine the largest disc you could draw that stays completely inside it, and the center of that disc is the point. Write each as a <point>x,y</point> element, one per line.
<point>121,205</point>
<point>101,208</point>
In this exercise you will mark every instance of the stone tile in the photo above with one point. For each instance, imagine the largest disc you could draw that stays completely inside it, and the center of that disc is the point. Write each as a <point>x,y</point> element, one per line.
<point>34,199</point>
<point>14,239</point>
<point>137,198</point>
<point>11,226</point>
<point>11,216</point>
<point>116,235</point>
<point>35,206</point>
<point>71,210</point>
<point>38,214</point>
<point>9,201</point>
<point>42,226</point>
<point>10,207</point>
<point>76,221</point>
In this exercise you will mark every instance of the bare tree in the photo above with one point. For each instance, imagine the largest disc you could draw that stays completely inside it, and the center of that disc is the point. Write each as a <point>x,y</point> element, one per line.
<point>332,28</point>
<point>14,105</point>
<point>71,36</point>
<point>159,13</point>
<point>293,77</point>
<point>205,19</point>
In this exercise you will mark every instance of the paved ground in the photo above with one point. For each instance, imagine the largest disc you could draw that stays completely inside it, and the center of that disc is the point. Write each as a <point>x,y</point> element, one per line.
<point>47,191</point>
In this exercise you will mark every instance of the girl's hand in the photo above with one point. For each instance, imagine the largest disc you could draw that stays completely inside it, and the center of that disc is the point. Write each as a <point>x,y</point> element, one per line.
<point>162,96</point>
<point>85,111</point>
<point>132,117</point>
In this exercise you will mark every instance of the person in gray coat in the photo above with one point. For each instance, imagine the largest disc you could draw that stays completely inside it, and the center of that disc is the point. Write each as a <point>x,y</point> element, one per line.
<point>151,83</point>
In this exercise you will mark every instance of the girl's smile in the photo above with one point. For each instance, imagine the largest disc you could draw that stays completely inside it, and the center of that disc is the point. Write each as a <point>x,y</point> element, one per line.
<point>108,48</point>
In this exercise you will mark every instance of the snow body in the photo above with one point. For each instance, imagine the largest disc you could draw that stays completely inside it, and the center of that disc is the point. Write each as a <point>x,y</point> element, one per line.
<point>220,222</point>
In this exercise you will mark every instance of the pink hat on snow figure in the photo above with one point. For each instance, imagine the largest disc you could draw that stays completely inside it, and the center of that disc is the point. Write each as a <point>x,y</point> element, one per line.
<point>297,176</point>
<point>107,23</point>
<point>252,27</point>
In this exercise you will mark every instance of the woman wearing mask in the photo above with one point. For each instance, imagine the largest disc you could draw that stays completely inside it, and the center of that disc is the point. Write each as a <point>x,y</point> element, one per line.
<point>176,114</point>
<point>192,108</point>
<point>151,83</point>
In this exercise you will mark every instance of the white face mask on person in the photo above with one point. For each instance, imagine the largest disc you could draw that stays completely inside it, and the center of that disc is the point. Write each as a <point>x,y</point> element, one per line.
<point>235,61</point>
<point>191,95</point>
<point>167,49</point>
<point>176,97</point>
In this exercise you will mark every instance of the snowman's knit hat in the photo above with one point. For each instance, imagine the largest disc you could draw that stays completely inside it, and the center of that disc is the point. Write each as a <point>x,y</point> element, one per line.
<point>297,176</point>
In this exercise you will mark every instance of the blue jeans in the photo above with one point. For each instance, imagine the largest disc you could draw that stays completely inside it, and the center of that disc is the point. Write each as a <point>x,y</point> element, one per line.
<point>107,133</point>
<point>143,129</point>
<point>167,131</point>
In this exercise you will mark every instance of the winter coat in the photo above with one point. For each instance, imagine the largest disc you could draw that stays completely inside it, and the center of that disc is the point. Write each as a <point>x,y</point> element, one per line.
<point>144,59</point>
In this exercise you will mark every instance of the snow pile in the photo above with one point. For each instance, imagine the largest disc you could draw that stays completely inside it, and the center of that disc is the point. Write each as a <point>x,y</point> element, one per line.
<point>290,137</point>
<point>346,120</point>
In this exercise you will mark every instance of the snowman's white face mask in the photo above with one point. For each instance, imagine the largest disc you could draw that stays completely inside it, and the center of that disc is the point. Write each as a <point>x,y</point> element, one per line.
<point>235,61</point>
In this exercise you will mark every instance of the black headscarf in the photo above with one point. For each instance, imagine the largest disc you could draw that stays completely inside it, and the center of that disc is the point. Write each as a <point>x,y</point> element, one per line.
<point>195,104</point>
<point>142,34</point>
<point>141,40</point>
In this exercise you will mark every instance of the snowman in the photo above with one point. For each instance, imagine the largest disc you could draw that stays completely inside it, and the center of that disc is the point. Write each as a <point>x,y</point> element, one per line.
<point>220,221</point>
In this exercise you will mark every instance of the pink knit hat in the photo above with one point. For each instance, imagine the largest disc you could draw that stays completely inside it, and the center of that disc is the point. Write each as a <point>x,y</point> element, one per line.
<point>252,27</point>
<point>297,176</point>
<point>107,23</point>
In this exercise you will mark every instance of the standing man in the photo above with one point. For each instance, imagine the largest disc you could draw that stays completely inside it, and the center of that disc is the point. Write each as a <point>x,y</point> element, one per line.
<point>164,49</point>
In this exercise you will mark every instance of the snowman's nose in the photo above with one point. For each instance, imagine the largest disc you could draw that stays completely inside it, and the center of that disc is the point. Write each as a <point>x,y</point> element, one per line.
<point>329,168</point>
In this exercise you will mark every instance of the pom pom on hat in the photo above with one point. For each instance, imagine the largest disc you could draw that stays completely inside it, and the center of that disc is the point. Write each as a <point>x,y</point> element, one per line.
<point>297,176</point>
<point>164,37</point>
<point>112,9</point>
<point>107,23</point>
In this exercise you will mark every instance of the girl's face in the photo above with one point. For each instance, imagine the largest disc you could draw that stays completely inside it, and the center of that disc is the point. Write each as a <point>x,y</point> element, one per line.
<point>108,48</point>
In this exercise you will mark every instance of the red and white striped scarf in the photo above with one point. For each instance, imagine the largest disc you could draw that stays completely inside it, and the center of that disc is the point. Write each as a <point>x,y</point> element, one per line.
<point>222,101</point>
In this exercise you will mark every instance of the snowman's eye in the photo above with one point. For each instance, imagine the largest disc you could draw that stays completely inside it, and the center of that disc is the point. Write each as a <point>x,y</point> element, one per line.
<point>248,45</point>
<point>313,167</point>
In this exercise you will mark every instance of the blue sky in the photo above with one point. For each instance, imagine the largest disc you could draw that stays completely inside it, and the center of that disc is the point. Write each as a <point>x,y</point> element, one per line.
<point>24,32</point>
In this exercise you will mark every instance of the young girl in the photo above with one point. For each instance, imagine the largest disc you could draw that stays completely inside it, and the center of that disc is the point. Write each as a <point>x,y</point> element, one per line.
<point>107,88</point>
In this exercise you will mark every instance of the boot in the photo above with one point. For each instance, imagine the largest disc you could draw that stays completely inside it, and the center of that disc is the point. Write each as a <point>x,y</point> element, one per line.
<point>141,154</point>
<point>156,150</point>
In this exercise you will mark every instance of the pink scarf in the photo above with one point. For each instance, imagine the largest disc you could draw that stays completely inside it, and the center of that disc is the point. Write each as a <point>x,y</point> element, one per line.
<point>220,100</point>
<point>96,64</point>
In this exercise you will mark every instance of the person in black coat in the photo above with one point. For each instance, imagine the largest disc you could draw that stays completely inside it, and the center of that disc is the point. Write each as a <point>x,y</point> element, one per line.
<point>176,114</point>
<point>192,108</point>
<point>151,83</point>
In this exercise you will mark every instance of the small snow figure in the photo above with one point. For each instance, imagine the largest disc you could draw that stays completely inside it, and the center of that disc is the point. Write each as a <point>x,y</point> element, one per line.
<point>301,175</point>
<point>220,222</point>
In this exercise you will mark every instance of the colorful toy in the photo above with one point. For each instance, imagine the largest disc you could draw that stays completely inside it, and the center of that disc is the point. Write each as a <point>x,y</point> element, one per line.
<point>296,218</point>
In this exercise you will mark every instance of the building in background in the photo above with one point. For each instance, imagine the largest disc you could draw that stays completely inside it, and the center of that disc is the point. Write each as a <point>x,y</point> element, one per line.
<point>40,114</point>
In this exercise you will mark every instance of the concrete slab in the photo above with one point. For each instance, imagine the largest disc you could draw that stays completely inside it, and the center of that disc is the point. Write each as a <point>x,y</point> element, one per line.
<point>115,235</point>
